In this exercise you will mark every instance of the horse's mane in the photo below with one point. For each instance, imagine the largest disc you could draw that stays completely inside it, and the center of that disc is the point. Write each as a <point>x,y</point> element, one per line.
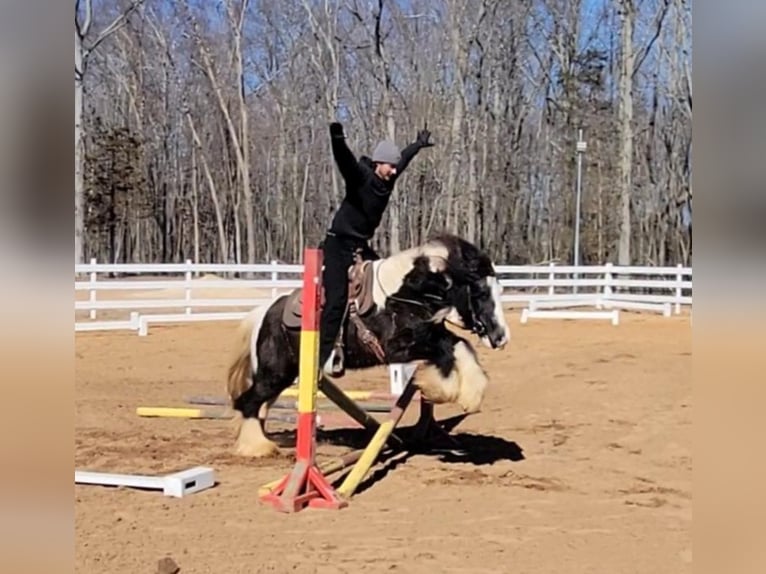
<point>466,263</point>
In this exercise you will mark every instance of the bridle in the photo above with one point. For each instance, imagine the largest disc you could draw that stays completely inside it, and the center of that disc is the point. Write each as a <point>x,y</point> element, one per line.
<point>477,326</point>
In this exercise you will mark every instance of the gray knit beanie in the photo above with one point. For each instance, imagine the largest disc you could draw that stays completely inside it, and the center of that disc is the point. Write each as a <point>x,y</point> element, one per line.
<point>386,152</point>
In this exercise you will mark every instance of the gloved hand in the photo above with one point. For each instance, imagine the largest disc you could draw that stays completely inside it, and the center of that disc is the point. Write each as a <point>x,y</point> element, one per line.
<point>336,130</point>
<point>424,138</point>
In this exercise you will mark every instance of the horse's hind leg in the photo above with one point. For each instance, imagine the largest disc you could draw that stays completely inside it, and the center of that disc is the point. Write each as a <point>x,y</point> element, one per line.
<point>270,367</point>
<point>254,405</point>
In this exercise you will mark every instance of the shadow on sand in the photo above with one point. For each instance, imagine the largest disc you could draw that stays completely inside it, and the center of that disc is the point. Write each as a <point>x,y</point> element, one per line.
<point>464,448</point>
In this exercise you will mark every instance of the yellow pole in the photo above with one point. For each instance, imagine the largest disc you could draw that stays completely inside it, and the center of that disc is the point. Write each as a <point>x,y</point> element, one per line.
<point>371,452</point>
<point>362,467</point>
<point>356,395</point>
<point>184,413</point>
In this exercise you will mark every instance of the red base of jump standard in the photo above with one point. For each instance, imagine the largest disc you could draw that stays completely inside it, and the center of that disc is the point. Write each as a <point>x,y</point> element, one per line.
<point>305,485</point>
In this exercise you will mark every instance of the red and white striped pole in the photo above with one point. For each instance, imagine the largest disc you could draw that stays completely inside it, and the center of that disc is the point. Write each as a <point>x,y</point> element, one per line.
<point>306,485</point>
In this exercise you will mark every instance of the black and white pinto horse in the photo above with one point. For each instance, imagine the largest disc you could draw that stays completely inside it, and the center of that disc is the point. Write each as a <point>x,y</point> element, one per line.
<point>417,293</point>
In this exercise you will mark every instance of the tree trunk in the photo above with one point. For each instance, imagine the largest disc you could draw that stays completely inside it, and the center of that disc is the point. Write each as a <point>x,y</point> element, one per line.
<point>213,193</point>
<point>627,13</point>
<point>195,205</point>
<point>79,156</point>
<point>240,155</point>
<point>471,194</point>
<point>600,212</point>
<point>454,159</point>
<point>394,212</point>
<point>243,151</point>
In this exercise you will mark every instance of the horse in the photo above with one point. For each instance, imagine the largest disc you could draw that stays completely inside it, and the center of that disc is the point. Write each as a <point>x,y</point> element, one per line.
<point>413,296</point>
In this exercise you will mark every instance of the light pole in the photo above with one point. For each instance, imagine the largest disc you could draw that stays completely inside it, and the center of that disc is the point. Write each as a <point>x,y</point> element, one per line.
<point>581,147</point>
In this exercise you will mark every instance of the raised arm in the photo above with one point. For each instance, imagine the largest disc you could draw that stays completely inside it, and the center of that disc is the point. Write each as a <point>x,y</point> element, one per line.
<point>344,158</point>
<point>409,152</point>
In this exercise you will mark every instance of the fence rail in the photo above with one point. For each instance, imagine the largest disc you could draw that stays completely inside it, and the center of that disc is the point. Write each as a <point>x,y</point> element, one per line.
<point>177,289</point>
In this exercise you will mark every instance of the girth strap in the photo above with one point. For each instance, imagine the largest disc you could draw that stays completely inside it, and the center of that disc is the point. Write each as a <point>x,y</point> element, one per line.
<point>365,335</point>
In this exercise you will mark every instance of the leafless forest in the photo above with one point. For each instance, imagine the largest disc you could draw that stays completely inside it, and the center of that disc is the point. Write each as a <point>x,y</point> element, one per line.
<point>201,127</point>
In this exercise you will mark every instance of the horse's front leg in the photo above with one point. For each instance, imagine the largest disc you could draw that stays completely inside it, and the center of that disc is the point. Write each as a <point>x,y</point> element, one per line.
<point>472,378</point>
<point>451,372</point>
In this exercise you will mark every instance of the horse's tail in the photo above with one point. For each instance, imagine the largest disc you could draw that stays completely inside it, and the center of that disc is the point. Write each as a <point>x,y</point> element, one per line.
<point>244,358</point>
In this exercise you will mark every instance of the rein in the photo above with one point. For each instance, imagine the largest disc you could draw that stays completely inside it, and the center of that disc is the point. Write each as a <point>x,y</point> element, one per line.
<point>421,304</point>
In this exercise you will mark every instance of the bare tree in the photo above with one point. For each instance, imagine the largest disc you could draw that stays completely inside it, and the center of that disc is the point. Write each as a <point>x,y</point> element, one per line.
<point>630,63</point>
<point>85,43</point>
<point>216,115</point>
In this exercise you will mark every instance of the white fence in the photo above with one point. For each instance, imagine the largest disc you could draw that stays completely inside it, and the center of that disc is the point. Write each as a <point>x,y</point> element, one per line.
<point>134,295</point>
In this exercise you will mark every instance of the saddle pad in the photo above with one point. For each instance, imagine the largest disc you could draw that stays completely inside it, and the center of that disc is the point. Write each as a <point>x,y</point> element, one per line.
<point>360,286</point>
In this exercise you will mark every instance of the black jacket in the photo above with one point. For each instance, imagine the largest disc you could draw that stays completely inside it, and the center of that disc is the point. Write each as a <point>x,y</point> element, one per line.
<point>367,195</point>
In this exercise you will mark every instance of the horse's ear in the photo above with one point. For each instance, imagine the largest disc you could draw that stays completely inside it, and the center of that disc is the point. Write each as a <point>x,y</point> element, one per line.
<point>421,267</point>
<point>418,274</point>
<point>421,263</point>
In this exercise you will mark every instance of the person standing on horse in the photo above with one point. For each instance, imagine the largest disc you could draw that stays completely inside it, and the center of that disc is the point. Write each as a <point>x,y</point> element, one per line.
<point>369,184</point>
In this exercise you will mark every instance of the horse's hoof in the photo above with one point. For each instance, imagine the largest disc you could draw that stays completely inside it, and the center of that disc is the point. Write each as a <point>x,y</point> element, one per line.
<point>261,450</point>
<point>252,442</point>
<point>471,407</point>
<point>470,399</point>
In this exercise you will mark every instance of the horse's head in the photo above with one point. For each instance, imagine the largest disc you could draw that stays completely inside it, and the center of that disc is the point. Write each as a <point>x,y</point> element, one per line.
<point>479,309</point>
<point>476,293</point>
<point>427,287</point>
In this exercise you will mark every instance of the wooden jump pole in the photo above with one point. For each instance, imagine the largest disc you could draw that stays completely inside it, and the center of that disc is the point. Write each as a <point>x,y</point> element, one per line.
<point>376,444</point>
<point>183,413</point>
<point>291,393</point>
<point>306,485</point>
<point>335,419</point>
<point>352,409</point>
<point>370,452</point>
<point>202,413</point>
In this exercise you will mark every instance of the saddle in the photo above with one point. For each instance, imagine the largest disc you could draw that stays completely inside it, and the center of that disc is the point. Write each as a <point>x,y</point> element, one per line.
<point>360,300</point>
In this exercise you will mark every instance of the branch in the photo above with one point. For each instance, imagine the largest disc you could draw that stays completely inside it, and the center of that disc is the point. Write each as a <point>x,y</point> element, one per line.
<point>241,22</point>
<point>116,24</point>
<point>82,30</point>
<point>658,20</point>
<point>161,39</point>
<point>378,40</point>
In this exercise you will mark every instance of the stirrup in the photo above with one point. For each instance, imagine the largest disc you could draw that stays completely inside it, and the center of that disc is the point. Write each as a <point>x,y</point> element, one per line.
<point>334,366</point>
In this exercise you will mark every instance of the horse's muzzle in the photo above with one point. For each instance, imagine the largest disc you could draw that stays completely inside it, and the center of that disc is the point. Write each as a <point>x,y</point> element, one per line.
<point>498,338</point>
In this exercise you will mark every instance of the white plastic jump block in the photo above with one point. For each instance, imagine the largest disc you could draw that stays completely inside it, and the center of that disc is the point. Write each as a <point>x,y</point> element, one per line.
<point>613,316</point>
<point>663,308</point>
<point>536,304</point>
<point>399,375</point>
<point>178,484</point>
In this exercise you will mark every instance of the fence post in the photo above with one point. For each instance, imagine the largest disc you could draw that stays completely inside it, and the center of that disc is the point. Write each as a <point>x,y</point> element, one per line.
<point>608,280</point>
<point>188,284</point>
<point>274,278</point>
<point>551,276</point>
<point>679,291</point>
<point>92,291</point>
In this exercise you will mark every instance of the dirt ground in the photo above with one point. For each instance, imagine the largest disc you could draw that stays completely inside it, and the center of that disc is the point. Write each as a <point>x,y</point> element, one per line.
<point>580,462</point>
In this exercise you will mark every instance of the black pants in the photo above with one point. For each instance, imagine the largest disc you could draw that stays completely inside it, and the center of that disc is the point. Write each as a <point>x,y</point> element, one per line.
<point>338,255</point>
